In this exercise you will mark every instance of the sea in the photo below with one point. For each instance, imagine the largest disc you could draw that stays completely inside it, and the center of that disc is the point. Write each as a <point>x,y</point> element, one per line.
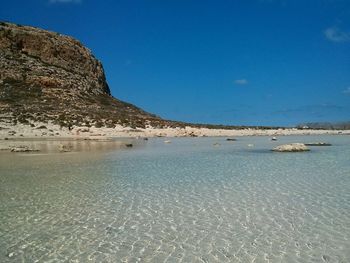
<point>188,200</point>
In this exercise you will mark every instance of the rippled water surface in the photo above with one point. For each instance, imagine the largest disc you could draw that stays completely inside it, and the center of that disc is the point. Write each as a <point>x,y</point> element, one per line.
<point>185,201</point>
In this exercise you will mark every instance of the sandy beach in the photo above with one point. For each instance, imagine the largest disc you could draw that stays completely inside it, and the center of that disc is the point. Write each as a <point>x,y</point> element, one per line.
<point>49,130</point>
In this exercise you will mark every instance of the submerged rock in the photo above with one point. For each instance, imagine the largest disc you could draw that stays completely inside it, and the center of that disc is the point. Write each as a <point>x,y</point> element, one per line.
<point>292,147</point>
<point>65,148</point>
<point>5,148</point>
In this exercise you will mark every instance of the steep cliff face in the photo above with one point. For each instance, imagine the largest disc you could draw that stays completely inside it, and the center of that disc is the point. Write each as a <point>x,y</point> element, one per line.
<point>47,76</point>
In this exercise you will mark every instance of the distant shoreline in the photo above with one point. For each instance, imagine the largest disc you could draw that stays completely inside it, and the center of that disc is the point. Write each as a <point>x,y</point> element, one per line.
<point>49,138</point>
<point>55,132</point>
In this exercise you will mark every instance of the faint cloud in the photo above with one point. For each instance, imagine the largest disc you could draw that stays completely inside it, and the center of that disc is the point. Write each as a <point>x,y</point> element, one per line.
<point>65,1</point>
<point>347,91</point>
<point>241,81</point>
<point>334,34</point>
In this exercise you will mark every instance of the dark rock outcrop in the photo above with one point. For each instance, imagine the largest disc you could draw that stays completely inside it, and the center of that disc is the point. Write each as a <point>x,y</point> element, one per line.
<point>47,76</point>
<point>318,144</point>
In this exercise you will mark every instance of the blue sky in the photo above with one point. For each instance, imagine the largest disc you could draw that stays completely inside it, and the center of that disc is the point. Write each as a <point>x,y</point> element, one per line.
<point>240,62</point>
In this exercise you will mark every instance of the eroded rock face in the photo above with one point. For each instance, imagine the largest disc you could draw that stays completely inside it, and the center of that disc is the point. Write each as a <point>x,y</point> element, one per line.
<point>48,76</point>
<point>44,49</point>
<point>292,147</point>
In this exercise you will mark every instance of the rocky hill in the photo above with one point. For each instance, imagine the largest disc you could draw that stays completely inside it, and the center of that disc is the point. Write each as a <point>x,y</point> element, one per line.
<point>46,76</point>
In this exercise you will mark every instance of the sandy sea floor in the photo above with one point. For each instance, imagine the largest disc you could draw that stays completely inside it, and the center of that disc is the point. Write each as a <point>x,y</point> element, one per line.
<point>190,200</point>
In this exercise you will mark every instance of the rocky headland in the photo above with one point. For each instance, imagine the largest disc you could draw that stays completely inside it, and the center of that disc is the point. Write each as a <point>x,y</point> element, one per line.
<point>46,76</point>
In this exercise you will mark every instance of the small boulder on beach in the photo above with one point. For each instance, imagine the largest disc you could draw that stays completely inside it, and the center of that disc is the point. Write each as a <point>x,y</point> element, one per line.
<point>292,147</point>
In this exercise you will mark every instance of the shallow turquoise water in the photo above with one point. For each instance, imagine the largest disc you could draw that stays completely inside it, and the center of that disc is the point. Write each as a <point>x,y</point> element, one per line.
<point>188,201</point>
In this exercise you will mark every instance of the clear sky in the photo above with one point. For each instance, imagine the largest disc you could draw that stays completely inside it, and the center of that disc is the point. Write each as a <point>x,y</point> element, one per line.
<point>244,62</point>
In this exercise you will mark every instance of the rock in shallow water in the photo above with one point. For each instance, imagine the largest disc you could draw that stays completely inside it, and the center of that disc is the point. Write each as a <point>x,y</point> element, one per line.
<point>318,144</point>
<point>292,147</point>
<point>22,148</point>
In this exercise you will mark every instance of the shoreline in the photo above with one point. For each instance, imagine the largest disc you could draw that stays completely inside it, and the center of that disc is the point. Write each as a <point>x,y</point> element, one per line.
<point>49,138</point>
<point>49,131</point>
